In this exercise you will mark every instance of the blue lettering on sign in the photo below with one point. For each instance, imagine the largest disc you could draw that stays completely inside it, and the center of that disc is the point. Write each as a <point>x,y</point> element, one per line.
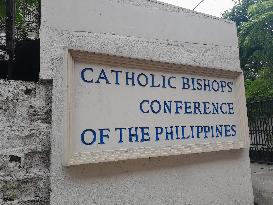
<point>156,134</point>
<point>170,84</point>
<point>83,75</point>
<point>117,76</point>
<point>133,134</point>
<point>102,76</point>
<point>169,133</point>
<point>153,85</point>
<point>142,104</point>
<point>158,131</point>
<point>91,133</point>
<point>130,78</point>
<point>185,107</point>
<point>145,136</point>
<point>120,134</point>
<point>188,107</point>
<point>104,133</point>
<point>155,106</point>
<point>160,107</point>
<point>142,79</point>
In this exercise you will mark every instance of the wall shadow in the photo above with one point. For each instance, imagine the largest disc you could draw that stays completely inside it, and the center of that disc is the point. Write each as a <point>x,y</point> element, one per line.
<point>150,164</point>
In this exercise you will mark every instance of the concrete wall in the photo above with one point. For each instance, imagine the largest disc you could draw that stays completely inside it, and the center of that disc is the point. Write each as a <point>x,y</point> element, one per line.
<point>25,128</point>
<point>138,29</point>
<point>146,30</point>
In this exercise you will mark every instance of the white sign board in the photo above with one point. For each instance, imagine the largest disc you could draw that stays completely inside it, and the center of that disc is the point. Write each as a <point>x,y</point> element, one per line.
<point>124,109</point>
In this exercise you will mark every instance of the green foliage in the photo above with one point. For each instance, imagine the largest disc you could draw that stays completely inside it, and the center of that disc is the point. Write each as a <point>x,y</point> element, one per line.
<point>2,8</point>
<point>27,19</point>
<point>239,13</point>
<point>2,11</point>
<point>262,87</point>
<point>256,39</point>
<point>254,20</point>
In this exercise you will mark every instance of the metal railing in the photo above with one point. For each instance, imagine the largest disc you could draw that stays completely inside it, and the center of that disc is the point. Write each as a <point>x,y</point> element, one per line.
<point>260,120</point>
<point>20,22</point>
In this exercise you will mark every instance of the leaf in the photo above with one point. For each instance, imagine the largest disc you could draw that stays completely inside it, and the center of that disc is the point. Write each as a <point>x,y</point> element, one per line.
<point>2,9</point>
<point>254,20</point>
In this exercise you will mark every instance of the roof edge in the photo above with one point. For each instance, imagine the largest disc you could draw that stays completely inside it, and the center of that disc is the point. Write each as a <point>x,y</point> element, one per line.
<point>172,8</point>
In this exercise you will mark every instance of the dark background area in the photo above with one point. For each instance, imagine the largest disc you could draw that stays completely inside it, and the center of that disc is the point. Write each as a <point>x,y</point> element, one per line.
<point>19,39</point>
<point>26,63</point>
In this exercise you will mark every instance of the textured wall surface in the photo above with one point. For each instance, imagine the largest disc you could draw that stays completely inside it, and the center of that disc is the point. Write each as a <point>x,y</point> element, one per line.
<point>138,29</point>
<point>209,178</point>
<point>25,128</point>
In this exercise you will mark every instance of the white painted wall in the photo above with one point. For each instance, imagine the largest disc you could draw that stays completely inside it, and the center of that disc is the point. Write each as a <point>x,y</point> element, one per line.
<point>106,16</point>
<point>129,27</point>
<point>146,30</point>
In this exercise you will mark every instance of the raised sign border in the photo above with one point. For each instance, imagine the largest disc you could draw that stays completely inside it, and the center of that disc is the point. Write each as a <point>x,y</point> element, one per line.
<point>71,158</point>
